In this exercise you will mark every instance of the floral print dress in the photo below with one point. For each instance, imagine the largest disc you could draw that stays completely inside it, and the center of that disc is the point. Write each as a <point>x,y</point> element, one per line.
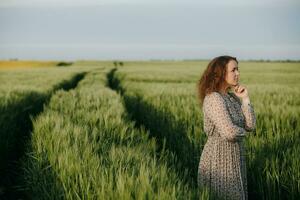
<point>222,166</point>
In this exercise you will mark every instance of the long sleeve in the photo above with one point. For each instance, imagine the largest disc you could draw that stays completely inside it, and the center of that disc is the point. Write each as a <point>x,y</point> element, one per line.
<point>214,108</point>
<point>249,114</point>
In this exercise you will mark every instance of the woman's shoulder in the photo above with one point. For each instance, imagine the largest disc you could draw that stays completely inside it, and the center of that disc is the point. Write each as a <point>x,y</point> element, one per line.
<point>213,102</point>
<point>213,96</point>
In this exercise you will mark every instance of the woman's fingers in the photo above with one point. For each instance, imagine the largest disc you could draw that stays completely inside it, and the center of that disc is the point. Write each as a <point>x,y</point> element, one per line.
<point>236,88</point>
<point>239,89</point>
<point>242,89</point>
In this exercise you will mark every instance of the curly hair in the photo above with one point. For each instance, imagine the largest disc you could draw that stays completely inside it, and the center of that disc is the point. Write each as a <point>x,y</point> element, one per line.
<point>213,78</point>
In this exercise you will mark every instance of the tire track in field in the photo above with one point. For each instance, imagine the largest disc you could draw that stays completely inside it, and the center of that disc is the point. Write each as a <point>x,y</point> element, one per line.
<point>16,120</point>
<point>161,126</point>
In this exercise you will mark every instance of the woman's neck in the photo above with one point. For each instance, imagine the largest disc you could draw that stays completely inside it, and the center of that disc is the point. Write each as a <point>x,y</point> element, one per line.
<point>225,90</point>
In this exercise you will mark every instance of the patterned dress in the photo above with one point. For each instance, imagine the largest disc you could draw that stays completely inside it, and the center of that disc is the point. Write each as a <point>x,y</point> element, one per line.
<point>222,166</point>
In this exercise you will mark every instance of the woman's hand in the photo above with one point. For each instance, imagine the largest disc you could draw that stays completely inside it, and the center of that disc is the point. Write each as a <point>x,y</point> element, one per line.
<point>241,92</point>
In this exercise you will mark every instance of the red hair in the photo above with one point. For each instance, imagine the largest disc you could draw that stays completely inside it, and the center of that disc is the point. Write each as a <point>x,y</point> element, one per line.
<point>213,78</point>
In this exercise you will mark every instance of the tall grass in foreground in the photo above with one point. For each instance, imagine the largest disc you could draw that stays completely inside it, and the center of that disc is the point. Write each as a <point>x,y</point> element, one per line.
<point>84,147</point>
<point>22,95</point>
<point>170,112</point>
<point>272,150</point>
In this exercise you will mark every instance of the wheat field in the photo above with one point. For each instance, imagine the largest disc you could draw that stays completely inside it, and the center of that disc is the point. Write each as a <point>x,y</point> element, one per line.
<point>134,130</point>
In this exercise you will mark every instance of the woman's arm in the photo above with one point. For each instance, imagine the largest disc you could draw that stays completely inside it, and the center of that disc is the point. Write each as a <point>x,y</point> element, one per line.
<point>249,114</point>
<point>215,109</point>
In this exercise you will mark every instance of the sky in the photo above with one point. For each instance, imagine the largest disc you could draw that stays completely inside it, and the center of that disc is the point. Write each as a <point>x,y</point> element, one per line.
<point>143,30</point>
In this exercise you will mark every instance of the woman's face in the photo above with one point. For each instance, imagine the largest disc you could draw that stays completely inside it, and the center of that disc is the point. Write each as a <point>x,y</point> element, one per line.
<point>232,74</point>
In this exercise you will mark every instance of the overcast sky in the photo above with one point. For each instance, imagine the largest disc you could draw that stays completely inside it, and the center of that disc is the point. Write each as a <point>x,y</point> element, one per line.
<point>164,29</point>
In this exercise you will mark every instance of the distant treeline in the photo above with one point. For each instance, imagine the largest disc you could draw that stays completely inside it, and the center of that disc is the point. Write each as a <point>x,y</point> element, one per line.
<point>62,64</point>
<point>283,61</point>
<point>245,60</point>
<point>120,63</point>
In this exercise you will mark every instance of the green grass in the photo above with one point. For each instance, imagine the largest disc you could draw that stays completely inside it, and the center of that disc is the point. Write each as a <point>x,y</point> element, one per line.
<point>170,108</point>
<point>85,147</point>
<point>145,142</point>
<point>22,97</point>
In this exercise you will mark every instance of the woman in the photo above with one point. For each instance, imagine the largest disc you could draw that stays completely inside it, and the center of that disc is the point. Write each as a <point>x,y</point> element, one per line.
<point>227,116</point>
